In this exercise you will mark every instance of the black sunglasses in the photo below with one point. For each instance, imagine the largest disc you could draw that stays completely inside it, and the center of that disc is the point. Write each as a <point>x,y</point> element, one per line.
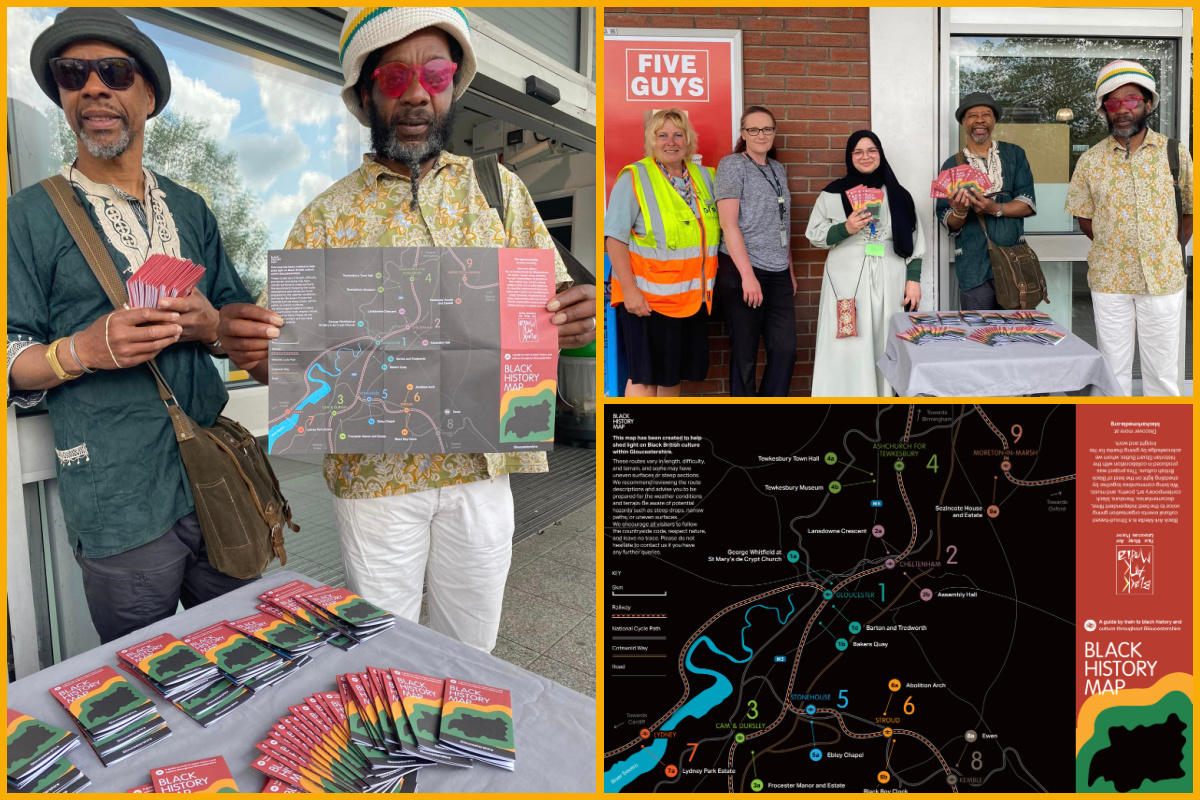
<point>72,74</point>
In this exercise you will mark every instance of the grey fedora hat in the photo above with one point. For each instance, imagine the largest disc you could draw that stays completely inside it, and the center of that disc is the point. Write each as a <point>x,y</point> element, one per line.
<point>104,25</point>
<point>976,99</point>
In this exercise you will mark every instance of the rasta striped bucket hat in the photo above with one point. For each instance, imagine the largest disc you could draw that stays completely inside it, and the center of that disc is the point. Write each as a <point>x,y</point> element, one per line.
<point>1116,74</point>
<point>369,28</point>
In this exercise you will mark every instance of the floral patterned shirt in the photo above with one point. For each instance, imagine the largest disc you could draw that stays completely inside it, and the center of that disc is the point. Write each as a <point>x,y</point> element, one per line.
<point>1131,203</point>
<point>372,207</point>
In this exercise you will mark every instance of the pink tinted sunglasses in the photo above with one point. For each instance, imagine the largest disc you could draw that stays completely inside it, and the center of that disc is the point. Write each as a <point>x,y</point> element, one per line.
<point>1112,104</point>
<point>394,77</point>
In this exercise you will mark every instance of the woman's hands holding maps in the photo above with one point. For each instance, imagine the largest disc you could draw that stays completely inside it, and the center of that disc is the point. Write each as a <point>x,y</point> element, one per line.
<point>575,317</point>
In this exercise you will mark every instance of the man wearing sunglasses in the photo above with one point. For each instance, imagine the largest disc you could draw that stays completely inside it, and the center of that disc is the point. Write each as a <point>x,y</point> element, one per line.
<point>125,499</point>
<point>447,519</point>
<point>1132,195</point>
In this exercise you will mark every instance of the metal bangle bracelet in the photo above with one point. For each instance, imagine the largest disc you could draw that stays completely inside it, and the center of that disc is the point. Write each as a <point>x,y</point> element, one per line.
<point>75,355</point>
<point>108,344</point>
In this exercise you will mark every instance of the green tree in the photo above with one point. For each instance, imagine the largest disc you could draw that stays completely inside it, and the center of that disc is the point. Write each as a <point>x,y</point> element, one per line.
<point>182,148</point>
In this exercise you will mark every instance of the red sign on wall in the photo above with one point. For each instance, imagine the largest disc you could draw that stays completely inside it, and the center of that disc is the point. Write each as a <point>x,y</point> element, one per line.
<point>642,74</point>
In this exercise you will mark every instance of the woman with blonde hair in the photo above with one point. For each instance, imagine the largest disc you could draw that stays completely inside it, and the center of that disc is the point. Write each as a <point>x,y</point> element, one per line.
<point>661,235</point>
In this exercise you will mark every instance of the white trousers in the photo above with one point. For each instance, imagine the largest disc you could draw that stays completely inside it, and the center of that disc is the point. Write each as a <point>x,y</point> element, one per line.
<point>1155,318</point>
<point>457,539</point>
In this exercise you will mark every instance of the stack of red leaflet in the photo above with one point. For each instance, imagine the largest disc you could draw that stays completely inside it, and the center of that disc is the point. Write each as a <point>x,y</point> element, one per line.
<point>964,176</point>
<point>162,276</point>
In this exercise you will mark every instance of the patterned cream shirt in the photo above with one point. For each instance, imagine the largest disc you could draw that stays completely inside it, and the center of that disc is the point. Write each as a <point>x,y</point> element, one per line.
<point>372,207</point>
<point>1131,203</point>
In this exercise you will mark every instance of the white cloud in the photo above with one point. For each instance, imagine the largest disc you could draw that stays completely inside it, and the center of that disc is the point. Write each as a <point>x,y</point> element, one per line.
<point>287,206</point>
<point>194,98</point>
<point>291,98</point>
<point>351,139</point>
<point>24,25</point>
<point>264,157</point>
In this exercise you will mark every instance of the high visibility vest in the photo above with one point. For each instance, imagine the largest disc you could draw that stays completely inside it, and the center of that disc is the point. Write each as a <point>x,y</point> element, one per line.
<point>675,263</point>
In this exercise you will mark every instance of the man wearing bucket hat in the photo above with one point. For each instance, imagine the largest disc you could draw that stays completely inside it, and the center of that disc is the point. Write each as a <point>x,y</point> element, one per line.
<point>126,502</point>
<point>1003,210</point>
<point>1132,195</point>
<point>445,519</point>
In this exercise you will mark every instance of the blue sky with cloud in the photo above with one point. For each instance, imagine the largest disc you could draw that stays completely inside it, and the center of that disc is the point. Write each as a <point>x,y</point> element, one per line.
<point>291,132</point>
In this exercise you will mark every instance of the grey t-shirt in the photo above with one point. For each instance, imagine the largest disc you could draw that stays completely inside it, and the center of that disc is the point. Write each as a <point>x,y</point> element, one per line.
<point>739,178</point>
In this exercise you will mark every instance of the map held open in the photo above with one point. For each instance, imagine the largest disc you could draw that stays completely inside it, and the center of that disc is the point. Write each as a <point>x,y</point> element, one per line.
<point>412,350</point>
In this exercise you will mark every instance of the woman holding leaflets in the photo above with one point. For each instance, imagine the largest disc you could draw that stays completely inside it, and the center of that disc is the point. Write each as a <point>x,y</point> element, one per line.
<point>869,224</point>
<point>754,276</point>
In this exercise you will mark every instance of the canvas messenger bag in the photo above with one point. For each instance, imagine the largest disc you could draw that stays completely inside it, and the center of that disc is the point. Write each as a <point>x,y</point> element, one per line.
<point>241,509</point>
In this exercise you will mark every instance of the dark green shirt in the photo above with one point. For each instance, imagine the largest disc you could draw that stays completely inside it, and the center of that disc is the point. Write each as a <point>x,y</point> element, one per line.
<point>971,262</point>
<point>121,480</point>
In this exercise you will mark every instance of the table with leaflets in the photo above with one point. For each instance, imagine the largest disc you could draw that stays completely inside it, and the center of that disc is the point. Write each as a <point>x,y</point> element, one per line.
<point>553,726</point>
<point>965,368</point>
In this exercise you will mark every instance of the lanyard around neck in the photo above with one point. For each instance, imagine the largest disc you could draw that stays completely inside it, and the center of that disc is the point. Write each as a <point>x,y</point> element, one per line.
<point>769,175</point>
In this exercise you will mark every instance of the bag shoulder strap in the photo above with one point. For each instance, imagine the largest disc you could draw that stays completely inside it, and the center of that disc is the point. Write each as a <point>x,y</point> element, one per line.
<point>66,202</point>
<point>1173,163</point>
<point>487,172</point>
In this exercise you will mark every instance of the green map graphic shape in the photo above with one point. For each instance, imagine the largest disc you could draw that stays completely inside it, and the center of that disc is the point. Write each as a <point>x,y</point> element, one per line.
<point>46,736</point>
<point>240,646</point>
<point>507,743</point>
<point>181,659</point>
<point>287,636</point>
<point>87,708</point>
<point>369,611</point>
<point>546,396</point>
<point>1130,717</point>
<point>419,712</point>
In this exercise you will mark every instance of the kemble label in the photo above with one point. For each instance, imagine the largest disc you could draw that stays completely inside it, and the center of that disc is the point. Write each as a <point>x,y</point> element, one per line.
<point>665,75</point>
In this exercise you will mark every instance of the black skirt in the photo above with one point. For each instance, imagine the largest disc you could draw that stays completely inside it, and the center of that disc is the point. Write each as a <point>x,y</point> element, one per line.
<point>662,350</point>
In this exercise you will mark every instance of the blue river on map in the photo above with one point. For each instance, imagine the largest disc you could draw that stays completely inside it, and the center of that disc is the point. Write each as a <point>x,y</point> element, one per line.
<point>647,758</point>
<point>287,424</point>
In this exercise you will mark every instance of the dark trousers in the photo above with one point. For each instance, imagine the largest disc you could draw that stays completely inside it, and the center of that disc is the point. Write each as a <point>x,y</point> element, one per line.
<point>774,322</point>
<point>129,590</point>
<point>978,298</point>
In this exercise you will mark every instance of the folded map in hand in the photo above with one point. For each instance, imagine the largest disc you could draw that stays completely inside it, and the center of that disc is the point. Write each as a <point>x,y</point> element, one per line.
<point>861,197</point>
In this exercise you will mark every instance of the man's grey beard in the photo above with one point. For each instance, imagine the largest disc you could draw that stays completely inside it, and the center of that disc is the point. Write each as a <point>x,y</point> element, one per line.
<point>110,150</point>
<point>385,143</point>
<point>1135,127</point>
<point>976,140</point>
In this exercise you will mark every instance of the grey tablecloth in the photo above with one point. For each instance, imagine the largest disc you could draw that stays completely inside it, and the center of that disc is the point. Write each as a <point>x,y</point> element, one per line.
<point>555,726</point>
<point>971,369</point>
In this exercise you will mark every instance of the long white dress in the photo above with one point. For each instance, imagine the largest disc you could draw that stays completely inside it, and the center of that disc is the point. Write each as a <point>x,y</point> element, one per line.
<point>846,367</point>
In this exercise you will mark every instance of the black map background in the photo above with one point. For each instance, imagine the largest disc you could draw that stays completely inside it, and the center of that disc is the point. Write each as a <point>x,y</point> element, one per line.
<point>1029,690</point>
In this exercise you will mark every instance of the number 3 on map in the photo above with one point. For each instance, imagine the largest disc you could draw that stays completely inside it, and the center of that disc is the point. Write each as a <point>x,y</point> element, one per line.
<point>753,712</point>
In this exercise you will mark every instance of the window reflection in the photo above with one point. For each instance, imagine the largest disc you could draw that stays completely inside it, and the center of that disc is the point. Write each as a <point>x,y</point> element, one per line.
<point>1046,86</point>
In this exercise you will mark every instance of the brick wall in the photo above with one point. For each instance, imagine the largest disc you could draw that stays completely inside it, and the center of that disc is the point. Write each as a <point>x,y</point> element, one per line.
<point>809,66</point>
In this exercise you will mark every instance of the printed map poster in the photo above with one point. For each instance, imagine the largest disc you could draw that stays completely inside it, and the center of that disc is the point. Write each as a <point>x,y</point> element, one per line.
<point>412,350</point>
<point>1133,598</point>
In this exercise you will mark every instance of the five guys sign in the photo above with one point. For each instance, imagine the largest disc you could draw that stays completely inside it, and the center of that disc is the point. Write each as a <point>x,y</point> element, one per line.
<point>698,72</point>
